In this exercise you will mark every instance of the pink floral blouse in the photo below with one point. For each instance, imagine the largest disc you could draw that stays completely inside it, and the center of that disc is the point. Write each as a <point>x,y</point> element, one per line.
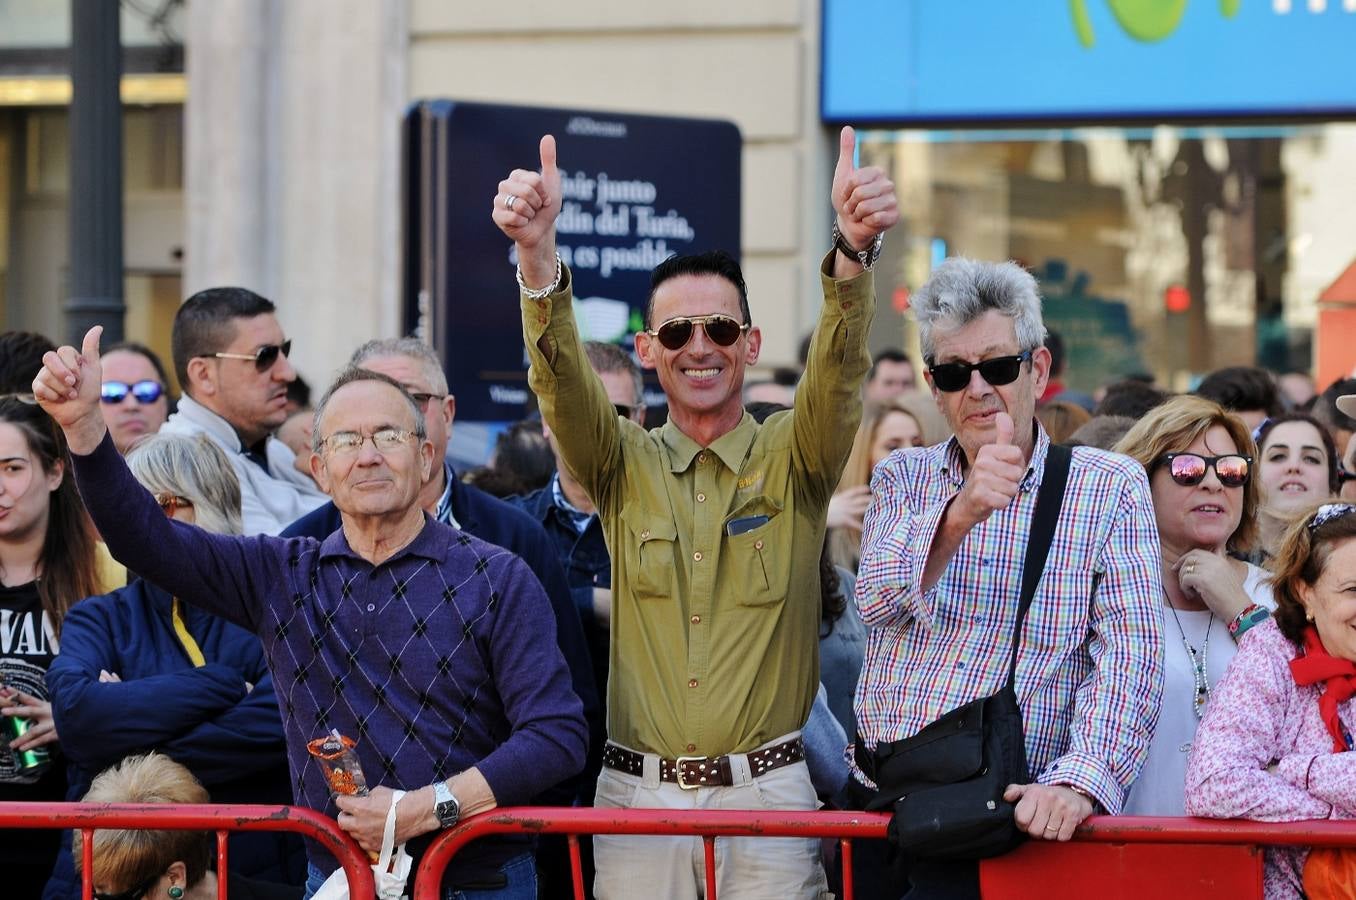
<point>1263,753</point>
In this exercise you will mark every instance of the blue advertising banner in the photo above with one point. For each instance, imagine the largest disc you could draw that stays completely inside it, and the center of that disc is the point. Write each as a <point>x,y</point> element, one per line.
<point>956,60</point>
<point>637,189</point>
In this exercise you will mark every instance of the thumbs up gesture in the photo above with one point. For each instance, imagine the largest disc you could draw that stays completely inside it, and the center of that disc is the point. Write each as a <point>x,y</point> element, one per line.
<point>68,387</point>
<point>864,199</point>
<point>525,208</point>
<point>995,474</point>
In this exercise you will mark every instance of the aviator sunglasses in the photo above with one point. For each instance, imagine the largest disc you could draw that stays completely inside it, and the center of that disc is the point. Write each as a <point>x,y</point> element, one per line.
<point>1188,469</point>
<point>264,357</point>
<point>144,391</point>
<point>1000,370</point>
<point>675,333</point>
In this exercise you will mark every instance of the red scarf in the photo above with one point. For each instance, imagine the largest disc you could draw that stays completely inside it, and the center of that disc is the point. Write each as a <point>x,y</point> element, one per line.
<point>1338,677</point>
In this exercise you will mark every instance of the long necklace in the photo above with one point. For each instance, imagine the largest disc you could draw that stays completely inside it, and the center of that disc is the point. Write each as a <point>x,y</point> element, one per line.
<point>1197,659</point>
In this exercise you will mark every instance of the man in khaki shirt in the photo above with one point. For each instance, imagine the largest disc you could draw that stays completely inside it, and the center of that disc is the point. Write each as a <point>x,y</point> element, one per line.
<point>715,526</point>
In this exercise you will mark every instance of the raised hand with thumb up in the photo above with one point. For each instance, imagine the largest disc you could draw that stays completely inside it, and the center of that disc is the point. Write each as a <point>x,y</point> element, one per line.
<point>863,199</point>
<point>995,474</point>
<point>525,208</point>
<point>68,387</point>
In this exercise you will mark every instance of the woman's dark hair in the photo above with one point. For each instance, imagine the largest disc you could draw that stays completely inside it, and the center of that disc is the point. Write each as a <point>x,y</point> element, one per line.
<point>1242,388</point>
<point>68,566</point>
<point>522,462</point>
<point>1301,560</point>
<point>1264,431</point>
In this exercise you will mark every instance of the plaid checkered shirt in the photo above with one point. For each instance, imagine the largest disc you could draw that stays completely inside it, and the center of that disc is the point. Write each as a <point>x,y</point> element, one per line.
<point>1089,671</point>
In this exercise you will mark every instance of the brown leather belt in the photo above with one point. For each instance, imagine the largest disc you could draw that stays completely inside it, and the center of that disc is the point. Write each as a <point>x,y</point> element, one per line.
<point>692,772</point>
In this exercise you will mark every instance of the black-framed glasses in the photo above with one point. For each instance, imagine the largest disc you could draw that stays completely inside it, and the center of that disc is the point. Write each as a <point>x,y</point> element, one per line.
<point>1000,370</point>
<point>264,357</point>
<point>132,893</point>
<point>1188,469</point>
<point>147,391</point>
<point>721,329</point>
<point>423,398</point>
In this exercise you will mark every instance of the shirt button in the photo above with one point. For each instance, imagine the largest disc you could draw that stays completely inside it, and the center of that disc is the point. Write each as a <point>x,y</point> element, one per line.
<point>691,747</point>
<point>697,556</point>
<point>692,682</point>
<point>701,498</point>
<point>758,544</point>
<point>644,535</point>
<point>371,607</point>
<point>696,620</point>
<point>701,457</point>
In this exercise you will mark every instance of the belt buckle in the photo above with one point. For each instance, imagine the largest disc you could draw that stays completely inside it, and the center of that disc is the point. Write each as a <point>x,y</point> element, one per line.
<point>678,770</point>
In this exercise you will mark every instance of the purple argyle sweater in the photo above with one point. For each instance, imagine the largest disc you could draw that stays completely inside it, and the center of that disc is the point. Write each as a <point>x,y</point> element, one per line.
<point>441,658</point>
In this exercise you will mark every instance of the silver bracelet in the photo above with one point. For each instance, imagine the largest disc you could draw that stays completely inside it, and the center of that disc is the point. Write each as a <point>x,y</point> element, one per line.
<point>540,293</point>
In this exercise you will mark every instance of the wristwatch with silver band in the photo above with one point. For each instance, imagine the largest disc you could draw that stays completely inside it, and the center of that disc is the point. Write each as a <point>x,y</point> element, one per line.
<point>445,805</point>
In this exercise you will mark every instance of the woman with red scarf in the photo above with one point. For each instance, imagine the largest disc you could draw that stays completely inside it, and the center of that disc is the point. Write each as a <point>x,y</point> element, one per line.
<point>1276,740</point>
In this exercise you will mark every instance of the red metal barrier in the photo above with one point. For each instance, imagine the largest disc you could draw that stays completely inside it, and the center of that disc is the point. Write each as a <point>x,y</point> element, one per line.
<point>221,818</point>
<point>706,824</point>
<point>1111,857</point>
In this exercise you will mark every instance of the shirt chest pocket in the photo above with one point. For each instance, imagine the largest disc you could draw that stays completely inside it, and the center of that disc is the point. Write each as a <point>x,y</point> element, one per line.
<point>651,545</point>
<point>760,563</point>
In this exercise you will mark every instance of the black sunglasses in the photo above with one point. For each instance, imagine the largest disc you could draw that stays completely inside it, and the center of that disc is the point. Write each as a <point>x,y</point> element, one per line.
<point>721,329</point>
<point>1344,475</point>
<point>998,371</point>
<point>144,391</point>
<point>264,357</point>
<point>1188,469</point>
<point>133,893</point>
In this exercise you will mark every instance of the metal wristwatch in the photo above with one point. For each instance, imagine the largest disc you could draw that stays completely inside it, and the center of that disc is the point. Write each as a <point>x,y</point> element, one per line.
<point>868,256</point>
<point>445,805</point>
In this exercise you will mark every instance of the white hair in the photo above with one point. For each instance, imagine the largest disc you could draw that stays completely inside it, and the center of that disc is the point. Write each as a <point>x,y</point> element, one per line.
<point>962,290</point>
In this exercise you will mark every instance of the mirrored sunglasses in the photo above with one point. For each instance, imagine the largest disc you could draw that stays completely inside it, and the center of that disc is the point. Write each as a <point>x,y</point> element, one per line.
<point>721,329</point>
<point>1188,469</point>
<point>264,357</point>
<point>147,391</point>
<point>1000,370</point>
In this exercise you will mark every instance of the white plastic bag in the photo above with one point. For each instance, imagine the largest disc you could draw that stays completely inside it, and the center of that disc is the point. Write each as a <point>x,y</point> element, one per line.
<point>390,872</point>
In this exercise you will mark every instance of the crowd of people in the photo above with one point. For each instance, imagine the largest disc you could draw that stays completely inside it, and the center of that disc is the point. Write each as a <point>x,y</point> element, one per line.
<point>756,605</point>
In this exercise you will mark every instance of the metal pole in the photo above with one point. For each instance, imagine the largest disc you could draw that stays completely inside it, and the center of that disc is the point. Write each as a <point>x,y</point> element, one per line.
<point>96,265</point>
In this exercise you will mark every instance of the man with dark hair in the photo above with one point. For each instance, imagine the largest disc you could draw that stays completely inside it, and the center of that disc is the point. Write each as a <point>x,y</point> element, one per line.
<point>231,358</point>
<point>891,375</point>
<point>20,356</point>
<point>429,649</point>
<point>1130,397</point>
<point>1056,389</point>
<point>715,524</point>
<point>1246,391</point>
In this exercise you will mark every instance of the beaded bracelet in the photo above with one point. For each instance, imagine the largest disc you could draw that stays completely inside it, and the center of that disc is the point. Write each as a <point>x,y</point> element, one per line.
<point>540,293</point>
<point>1251,615</point>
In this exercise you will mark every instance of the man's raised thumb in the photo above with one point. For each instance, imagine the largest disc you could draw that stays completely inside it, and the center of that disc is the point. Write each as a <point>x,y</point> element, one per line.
<point>89,349</point>
<point>847,152</point>
<point>548,154</point>
<point>1003,423</point>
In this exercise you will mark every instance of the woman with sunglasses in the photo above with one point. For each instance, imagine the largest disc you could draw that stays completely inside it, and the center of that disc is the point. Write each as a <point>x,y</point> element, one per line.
<point>139,669</point>
<point>1296,468</point>
<point>135,398</point>
<point>1199,461</point>
<point>1275,744</point>
<point>47,564</point>
<point>160,865</point>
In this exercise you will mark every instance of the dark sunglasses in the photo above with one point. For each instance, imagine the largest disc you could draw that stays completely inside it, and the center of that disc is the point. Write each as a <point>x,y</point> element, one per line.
<point>144,391</point>
<point>133,893</point>
<point>264,357</point>
<point>1188,469</point>
<point>997,372</point>
<point>675,333</point>
<point>1344,475</point>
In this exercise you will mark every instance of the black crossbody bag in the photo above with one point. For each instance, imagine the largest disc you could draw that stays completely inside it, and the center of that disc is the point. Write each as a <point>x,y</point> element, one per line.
<point>946,783</point>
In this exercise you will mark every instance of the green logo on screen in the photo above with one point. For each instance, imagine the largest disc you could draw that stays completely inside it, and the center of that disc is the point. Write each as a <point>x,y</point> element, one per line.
<point>1144,20</point>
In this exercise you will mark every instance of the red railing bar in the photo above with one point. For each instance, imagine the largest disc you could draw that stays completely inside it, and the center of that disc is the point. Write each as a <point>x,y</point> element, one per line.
<point>194,817</point>
<point>222,864</point>
<point>1154,830</point>
<point>576,867</point>
<point>845,862</point>
<point>86,863</point>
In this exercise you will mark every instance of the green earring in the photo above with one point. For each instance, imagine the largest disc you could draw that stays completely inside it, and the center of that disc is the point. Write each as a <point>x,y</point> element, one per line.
<point>176,892</point>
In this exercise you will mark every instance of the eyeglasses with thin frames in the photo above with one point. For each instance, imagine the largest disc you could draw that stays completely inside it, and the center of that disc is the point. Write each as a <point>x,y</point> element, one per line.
<point>348,443</point>
<point>263,357</point>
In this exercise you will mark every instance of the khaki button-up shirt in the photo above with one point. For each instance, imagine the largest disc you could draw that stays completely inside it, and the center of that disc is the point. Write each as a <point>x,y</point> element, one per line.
<point>715,637</point>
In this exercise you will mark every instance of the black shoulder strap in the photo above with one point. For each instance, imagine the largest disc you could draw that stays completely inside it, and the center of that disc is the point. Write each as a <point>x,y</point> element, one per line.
<point>1049,499</point>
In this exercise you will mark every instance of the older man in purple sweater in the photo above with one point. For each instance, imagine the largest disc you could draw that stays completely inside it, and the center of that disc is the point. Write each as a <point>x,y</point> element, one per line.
<point>433,649</point>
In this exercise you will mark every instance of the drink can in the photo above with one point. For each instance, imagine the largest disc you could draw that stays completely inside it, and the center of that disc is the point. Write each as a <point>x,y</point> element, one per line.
<point>35,759</point>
